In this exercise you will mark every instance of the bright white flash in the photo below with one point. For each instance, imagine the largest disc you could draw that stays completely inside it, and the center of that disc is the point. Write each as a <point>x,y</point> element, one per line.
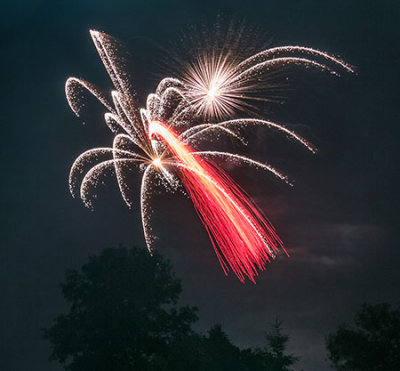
<point>213,91</point>
<point>210,90</point>
<point>157,162</point>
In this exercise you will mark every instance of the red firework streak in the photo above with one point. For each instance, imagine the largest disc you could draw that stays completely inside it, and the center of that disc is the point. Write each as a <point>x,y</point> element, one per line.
<point>242,236</point>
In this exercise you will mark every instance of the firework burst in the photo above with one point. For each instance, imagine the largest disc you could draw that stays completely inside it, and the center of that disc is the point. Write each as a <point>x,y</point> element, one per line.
<point>218,85</point>
<point>160,141</point>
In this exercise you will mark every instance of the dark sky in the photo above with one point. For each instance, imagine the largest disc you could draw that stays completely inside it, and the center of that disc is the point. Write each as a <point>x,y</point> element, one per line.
<point>339,223</point>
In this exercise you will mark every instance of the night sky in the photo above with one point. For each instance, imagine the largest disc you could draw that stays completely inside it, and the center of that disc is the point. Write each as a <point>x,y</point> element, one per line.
<point>339,222</point>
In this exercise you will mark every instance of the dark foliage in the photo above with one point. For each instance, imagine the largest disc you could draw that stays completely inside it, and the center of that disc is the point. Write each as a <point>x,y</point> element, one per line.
<point>123,313</point>
<point>124,316</point>
<point>272,356</point>
<point>372,343</point>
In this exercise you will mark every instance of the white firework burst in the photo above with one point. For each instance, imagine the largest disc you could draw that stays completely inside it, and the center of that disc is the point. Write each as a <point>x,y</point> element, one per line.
<point>214,87</point>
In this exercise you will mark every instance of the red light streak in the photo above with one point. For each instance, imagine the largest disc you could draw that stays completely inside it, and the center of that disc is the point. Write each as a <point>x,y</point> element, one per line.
<point>242,237</point>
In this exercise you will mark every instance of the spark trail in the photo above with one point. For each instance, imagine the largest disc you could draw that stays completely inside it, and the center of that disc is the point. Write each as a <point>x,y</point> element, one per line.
<point>242,237</point>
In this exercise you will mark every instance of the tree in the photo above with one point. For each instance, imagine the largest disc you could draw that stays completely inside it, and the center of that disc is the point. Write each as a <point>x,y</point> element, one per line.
<point>219,353</point>
<point>211,352</point>
<point>273,356</point>
<point>372,343</point>
<point>123,314</point>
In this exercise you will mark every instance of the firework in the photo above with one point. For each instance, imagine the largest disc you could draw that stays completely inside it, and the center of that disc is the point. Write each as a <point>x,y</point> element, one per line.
<point>159,141</point>
<point>219,84</point>
<point>237,228</point>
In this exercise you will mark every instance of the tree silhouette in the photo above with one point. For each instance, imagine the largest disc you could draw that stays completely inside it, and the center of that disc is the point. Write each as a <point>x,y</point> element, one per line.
<point>124,316</point>
<point>273,356</point>
<point>372,343</point>
<point>220,353</point>
<point>123,313</point>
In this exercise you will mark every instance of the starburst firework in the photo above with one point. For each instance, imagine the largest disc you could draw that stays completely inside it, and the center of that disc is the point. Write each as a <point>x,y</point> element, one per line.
<point>161,140</point>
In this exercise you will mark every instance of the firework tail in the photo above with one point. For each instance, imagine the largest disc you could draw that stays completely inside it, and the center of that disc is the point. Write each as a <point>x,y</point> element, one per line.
<point>242,237</point>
